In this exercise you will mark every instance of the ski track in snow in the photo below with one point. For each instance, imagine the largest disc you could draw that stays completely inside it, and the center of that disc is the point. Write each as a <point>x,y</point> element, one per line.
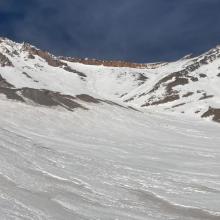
<point>107,163</point>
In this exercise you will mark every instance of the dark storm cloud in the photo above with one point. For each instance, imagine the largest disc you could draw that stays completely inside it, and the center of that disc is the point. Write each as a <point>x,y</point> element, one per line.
<point>139,30</point>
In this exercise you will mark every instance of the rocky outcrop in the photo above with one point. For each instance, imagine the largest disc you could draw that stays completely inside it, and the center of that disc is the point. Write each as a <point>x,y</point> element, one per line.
<point>88,98</point>
<point>4,61</point>
<point>49,58</point>
<point>41,97</point>
<point>212,112</point>
<point>113,63</point>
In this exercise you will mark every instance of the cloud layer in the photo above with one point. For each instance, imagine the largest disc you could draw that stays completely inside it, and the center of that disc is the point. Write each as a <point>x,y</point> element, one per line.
<point>136,30</point>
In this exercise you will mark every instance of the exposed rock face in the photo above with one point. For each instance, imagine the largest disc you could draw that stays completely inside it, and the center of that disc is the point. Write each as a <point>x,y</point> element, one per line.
<point>188,94</point>
<point>52,99</point>
<point>113,63</point>
<point>49,98</point>
<point>8,90</point>
<point>4,61</point>
<point>42,97</point>
<point>87,98</point>
<point>11,94</point>
<point>214,112</point>
<point>169,83</point>
<point>49,58</point>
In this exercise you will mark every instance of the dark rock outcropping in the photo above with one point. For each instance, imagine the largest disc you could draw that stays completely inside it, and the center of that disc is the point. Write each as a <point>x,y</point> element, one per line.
<point>4,61</point>
<point>49,58</point>
<point>212,112</point>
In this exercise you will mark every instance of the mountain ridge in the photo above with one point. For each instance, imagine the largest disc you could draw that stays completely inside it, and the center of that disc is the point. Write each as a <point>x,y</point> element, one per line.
<point>186,86</point>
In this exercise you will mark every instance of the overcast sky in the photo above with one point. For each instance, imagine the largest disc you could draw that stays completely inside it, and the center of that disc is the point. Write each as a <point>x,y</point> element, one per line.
<point>135,30</point>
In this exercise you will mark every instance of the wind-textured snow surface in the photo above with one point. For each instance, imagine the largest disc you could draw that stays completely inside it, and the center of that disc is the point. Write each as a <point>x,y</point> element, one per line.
<point>107,163</point>
<point>99,142</point>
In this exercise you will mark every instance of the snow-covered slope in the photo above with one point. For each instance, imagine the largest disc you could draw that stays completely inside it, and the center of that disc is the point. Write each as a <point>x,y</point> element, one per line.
<point>87,139</point>
<point>189,85</point>
<point>107,163</point>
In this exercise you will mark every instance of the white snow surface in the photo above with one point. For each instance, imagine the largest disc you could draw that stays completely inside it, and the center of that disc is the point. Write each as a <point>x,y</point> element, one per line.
<point>108,162</point>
